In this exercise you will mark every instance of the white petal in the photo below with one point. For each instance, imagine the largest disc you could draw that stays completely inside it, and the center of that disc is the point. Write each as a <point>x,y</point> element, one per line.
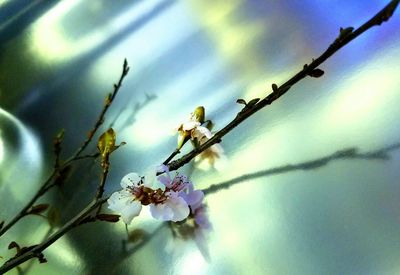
<point>150,176</point>
<point>130,211</point>
<point>131,179</point>
<point>124,204</point>
<point>119,200</point>
<point>161,212</point>
<point>179,208</point>
<point>202,134</point>
<point>165,180</point>
<point>187,126</point>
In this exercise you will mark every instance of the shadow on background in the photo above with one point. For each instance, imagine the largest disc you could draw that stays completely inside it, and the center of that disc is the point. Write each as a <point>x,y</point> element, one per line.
<point>142,237</point>
<point>351,153</point>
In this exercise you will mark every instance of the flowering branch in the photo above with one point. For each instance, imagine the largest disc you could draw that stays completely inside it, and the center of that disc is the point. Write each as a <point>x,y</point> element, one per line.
<point>36,251</point>
<point>173,198</point>
<point>60,169</point>
<point>346,35</point>
<point>106,146</point>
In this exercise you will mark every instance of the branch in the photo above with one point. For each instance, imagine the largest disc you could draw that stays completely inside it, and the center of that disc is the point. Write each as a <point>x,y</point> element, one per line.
<point>58,168</point>
<point>82,218</point>
<point>37,250</point>
<point>173,154</point>
<point>28,206</point>
<point>109,100</point>
<point>346,35</point>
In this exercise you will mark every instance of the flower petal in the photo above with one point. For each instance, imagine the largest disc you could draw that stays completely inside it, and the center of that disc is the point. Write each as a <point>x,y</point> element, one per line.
<point>190,125</point>
<point>130,180</point>
<point>178,206</point>
<point>202,134</point>
<point>166,180</point>
<point>161,212</point>
<point>123,203</point>
<point>130,211</point>
<point>119,200</point>
<point>194,198</point>
<point>150,176</point>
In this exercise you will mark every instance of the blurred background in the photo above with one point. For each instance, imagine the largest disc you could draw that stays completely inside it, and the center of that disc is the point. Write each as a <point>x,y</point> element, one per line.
<point>310,184</point>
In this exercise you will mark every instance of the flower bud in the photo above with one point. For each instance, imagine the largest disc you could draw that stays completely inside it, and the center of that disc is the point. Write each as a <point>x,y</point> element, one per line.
<point>199,114</point>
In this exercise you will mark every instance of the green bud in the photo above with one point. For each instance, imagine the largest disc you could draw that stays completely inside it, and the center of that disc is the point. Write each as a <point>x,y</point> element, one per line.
<point>199,114</point>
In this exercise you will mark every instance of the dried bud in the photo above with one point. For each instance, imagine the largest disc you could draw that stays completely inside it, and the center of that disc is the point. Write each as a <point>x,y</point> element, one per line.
<point>252,102</point>
<point>41,258</point>
<point>13,244</point>
<point>316,73</point>
<point>345,32</point>
<point>59,137</point>
<point>108,217</point>
<point>241,101</point>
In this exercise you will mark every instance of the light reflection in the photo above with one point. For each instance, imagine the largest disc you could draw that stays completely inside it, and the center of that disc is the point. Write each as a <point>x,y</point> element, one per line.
<point>144,135</point>
<point>262,87</point>
<point>147,43</point>
<point>64,252</point>
<point>27,156</point>
<point>191,263</point>
<point>50,40</point>
<point>233,38</point>
<point>237,232</point>
<point>365,99</point>
<point>1,148</point>
<point>2,2</point>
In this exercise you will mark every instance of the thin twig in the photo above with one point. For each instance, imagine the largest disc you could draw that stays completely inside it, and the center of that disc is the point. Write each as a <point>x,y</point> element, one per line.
<point>37,250</point>
<point>174,153</point>
<point>51,181</point>
<point>100,189</point>
<point>344,38</point>
<point>24,211</point>
<point>75,222</point>
<point>382,16</point>
<point>107,104</point>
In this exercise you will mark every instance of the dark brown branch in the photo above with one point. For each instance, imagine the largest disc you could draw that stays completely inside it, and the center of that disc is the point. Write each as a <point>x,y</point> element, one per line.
<point>344,38</point>
<point>28,206</point>
<point>174,153</point>
<point>91,156</point>
<point>37,250</point>
<point>75,222</point>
